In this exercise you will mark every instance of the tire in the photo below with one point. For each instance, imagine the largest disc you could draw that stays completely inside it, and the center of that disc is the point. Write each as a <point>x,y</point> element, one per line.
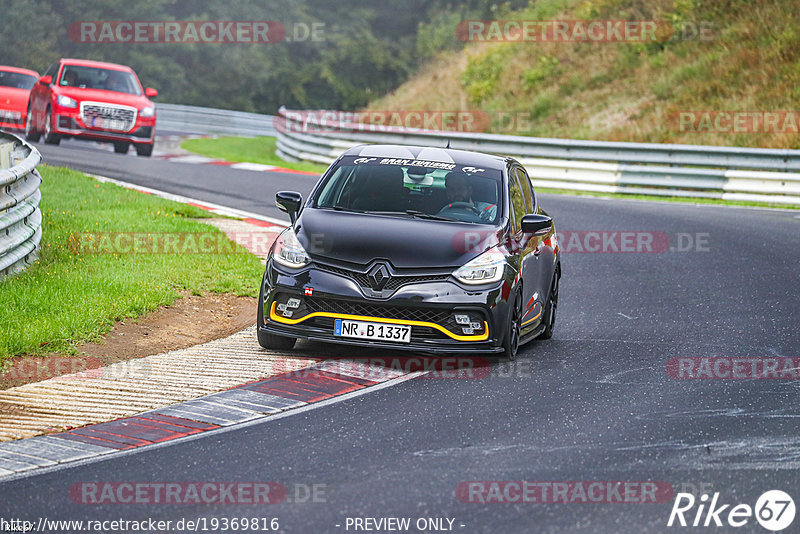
<point>144,150</point>
<point>550,309</point>
<point>50,138</point>
<point>265,339</point>
<point>121,148</point>
<point>30,133</point>
<point>511,341</point>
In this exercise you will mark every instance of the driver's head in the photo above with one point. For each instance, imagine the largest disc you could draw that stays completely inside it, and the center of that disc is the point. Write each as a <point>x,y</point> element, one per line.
<point>114,81</point>
<point>458,187</point>
<point>71,77</point>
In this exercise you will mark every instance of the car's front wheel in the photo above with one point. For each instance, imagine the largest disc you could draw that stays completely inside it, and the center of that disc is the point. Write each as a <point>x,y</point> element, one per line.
<point>265,339</point>
<point>30,133</point>
<point>550,309</point>
<point>144,150</point>
<point>121,148</point>
<point>49,137</point>
<point>511,342</point>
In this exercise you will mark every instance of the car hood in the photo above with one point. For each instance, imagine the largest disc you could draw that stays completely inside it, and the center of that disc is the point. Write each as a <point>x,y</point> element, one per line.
<point>14,98</point>
<point>405,242</point>
<point>109,97</point>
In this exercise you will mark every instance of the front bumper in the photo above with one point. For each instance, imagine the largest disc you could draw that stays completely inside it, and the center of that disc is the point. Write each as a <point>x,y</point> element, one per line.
<point>428,307</point>
<point>68,122</point>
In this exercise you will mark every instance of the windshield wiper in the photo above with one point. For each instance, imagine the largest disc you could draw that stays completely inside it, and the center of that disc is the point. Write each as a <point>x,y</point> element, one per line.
<point>423,215</point>
<point>340,208</point>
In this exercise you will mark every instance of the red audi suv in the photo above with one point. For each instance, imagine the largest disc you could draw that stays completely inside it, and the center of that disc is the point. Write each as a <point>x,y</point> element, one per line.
<point>92,100</point>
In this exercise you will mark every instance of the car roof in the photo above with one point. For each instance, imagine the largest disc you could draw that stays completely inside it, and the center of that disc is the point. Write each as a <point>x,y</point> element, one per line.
<point>92,63</point>
<point>462,157</point>
<point>19,70</point>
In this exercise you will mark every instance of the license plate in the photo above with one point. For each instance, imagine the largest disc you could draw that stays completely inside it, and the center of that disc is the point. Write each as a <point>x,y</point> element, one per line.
<point>365,330</point>
<point>116,125</point>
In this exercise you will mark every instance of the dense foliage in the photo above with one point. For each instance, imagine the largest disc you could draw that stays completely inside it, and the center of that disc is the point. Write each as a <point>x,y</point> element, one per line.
<point>366,48</point>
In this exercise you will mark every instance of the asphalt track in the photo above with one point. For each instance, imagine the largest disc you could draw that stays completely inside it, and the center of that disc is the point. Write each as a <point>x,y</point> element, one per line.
<point>595,403</point>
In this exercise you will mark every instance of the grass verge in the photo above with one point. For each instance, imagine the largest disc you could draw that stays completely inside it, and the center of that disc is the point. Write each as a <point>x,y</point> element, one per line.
<point>71,295</point>
<point>246,149</point>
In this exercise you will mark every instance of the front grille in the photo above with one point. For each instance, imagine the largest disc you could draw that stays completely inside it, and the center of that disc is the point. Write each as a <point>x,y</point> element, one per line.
<point>108,116</point>
<point>395,282</point>
<point>430,315</point>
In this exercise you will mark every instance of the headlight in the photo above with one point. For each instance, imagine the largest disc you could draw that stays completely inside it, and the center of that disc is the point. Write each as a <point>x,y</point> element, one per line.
<point>66,102</point>
<point>149,111</point>
<point>485,269</point>
<point>289,252</point>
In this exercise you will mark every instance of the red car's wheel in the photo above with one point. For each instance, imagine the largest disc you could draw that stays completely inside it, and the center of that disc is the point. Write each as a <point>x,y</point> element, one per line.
<point>30,133</point>
<point>49,137</point>
<point>144,150</point>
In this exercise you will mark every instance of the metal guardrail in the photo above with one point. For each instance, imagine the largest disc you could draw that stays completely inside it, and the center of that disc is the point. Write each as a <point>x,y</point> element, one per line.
<point>20,216</point>
<point>699,171</point>
<point>208,121</point>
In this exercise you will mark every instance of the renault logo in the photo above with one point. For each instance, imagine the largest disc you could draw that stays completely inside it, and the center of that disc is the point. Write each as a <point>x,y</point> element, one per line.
<point>378,277</point>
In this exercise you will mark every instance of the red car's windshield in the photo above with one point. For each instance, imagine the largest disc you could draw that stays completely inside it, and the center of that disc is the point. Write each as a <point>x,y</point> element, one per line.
<point>16,80</point>
<point>97,78</point>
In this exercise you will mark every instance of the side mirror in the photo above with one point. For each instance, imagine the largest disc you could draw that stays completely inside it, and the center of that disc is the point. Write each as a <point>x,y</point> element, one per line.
<point>150,92</point>
<point>536,224</point>
<point>46,80</point>
<point>289,201</point>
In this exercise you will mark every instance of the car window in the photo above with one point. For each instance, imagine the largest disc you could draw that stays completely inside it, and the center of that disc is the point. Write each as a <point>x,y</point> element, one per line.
<point>97,78</point>
<point>527,191</point>
<point>17,80</point>
<point>447,193</point>
<point>517,200</point>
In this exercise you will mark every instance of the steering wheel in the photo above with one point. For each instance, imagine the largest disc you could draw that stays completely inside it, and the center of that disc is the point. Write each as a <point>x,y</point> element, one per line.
<point>462,206</point>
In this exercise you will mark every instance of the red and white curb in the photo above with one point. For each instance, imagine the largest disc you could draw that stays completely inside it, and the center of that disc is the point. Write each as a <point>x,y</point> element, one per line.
<point>244,166</point>
<point>251,403</point>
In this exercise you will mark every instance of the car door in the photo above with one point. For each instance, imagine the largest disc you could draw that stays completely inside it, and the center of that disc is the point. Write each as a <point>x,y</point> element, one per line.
<point>542,246</point>
<point>523,246</point>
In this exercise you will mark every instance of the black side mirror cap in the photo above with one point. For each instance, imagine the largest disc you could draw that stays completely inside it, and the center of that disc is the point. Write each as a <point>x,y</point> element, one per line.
<point>536,224</point>
<point>290,202</point>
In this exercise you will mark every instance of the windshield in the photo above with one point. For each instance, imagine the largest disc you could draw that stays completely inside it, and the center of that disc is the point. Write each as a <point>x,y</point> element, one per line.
<point>16,80</point>
<point>96,78</point>
<point>413,188</point>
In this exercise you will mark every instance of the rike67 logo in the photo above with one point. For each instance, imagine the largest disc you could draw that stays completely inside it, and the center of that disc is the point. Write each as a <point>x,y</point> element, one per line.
<point>774,510</point>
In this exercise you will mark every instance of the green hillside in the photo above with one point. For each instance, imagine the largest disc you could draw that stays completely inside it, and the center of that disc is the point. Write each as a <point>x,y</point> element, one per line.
<point>721,72</point>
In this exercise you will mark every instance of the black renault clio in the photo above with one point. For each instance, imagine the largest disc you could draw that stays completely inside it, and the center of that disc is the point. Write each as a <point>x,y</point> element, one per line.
<point>424,249</point>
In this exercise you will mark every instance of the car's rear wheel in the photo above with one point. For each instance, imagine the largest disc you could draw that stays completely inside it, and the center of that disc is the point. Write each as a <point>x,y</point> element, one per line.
<point>265,339</point>
<point>511,342</point>
<point>550,309</point>
<point>144,150</point>
<point>121,148</point>
<point>49,137</point>
<point>30,133</point>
